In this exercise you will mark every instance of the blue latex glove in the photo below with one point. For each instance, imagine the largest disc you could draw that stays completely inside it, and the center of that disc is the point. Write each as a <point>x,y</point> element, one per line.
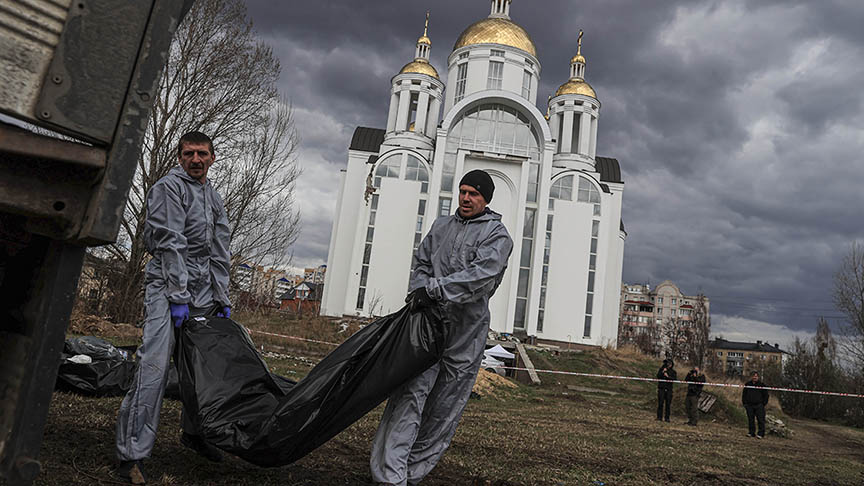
<point>225,312</point>
<point>179,313</point>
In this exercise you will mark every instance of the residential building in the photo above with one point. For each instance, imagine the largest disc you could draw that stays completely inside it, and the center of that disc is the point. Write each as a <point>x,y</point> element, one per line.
<point>559,200</point>
<point>644,311</point>
<point>740,358</point>
<point>303,298</point>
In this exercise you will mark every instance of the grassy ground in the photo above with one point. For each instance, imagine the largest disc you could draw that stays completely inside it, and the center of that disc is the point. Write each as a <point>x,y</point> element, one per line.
<point>547,435</point>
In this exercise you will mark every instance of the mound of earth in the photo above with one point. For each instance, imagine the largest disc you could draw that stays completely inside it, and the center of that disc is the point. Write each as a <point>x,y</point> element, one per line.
<point>488,382</point>
<point>88,325</point>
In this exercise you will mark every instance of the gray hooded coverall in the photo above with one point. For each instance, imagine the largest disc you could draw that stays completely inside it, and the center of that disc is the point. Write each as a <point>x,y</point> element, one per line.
<point>187,233</point>
<point>461,263</point>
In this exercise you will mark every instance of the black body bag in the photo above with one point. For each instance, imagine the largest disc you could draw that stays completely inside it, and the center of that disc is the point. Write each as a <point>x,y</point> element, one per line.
<point>242,408</point>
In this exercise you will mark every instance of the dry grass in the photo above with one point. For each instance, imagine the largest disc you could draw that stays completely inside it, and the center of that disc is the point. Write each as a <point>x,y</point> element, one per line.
<point>518,436</point>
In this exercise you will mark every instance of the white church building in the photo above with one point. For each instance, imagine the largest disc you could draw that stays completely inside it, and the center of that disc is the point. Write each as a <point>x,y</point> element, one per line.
<point>560,202</point>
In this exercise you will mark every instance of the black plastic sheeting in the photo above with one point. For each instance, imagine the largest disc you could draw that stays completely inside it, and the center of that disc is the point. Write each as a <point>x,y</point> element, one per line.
<point>110,374</point>
<point>242,408</point>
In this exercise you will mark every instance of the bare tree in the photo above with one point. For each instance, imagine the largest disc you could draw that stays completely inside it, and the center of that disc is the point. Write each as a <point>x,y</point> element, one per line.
<point>699,328</point>
<point>221,80</point>
<point>849,299</point>
<point>674,333</point>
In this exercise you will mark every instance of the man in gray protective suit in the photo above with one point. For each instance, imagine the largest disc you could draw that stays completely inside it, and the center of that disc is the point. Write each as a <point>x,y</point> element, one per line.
<point>186,231</point>
<point>458,266</point>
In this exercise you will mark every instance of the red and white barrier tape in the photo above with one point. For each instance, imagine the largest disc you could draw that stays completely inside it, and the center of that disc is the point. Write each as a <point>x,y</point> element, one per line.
<point>292,337</point>
<point>636,378</point>
<point>615,377</point>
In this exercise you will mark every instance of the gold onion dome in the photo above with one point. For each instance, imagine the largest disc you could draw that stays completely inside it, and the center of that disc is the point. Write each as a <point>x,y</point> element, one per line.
<point>578,58</point>
<point>424,40</point>
<point>576,86</point>
<point>496,30</point>
<point>420,66</point>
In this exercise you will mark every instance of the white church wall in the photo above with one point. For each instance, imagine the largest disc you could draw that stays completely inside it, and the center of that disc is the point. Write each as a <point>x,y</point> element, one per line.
<point>392,244</point>
<point>568,272</point>
<point>352,216</point>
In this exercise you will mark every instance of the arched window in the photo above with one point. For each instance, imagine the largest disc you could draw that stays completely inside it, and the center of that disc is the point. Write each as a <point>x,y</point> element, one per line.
<point>389,168</point>
<point>415,170</point>
<point>587,192</point>
<point>495,127</point>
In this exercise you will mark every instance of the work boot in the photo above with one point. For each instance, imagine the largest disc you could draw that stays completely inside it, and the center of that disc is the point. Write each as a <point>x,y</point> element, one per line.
<point>130,471</point>
<point>197,444</point>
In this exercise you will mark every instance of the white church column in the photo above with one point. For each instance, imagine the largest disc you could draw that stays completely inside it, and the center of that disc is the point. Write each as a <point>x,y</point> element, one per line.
<point>422,113</point>
<point>402,114</point>
<point>567,133</point>
<point>593,148</point>
<point>391,117</point>
<point>432,117</point>
<point>585,133</point>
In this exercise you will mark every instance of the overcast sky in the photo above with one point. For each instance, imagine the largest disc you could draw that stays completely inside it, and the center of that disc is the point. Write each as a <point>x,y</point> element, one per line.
<point>738,126</point>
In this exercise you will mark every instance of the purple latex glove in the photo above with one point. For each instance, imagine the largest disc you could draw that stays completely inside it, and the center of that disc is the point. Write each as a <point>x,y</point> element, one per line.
<point>179,313</point>
<point>225,312</point>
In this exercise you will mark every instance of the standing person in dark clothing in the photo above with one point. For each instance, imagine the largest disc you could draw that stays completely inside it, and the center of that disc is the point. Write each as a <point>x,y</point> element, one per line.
<point>691,403</point>
<point>664,389</point>
<point>755,397</point>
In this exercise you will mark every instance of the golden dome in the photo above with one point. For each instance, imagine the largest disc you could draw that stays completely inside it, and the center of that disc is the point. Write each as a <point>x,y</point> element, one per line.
<point>495,30</point>
<point>424,40</point>
<point>420,66</point>
<point>576,86</point>
<point>578,58</point>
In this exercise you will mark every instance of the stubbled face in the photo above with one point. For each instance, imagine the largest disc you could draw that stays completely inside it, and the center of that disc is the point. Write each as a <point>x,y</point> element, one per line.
<point>471,202</point>
<point>196,159</point>
<point>754,378</point>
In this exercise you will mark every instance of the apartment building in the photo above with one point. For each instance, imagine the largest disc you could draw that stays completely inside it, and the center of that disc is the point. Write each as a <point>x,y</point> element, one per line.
<point>643,310</point>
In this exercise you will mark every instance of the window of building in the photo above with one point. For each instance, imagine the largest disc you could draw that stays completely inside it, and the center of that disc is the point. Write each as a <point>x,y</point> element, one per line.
<point>720,353</point>
<point>547,249</point>
<point>575,139</point>
<point>519,321</point>
<point>461,77</point>
<point>659,300</point>
<point>444,206</point>
<point>526,84</point>
<point>674,301</point>
<point>464,55</point>
<point>416,171</point>
<point>495,128</point>
<point>496,75</point>
<point>497,53</point>
<point>533,181</point>
<point>367,252</point>
<point>388,168</point>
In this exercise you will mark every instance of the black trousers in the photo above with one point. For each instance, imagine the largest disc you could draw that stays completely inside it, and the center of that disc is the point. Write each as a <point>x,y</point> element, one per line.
<point>755,413</point>
<point>691,403</point>
<point>664,396</point>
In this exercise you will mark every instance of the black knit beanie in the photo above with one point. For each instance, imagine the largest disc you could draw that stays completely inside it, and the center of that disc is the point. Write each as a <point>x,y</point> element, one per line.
<point>481,181</point>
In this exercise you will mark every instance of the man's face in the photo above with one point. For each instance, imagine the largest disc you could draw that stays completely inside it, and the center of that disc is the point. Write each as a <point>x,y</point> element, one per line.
<point>196,159</point>
<point>696,370</point>
<point>471,202</point>
<point>755,377</point>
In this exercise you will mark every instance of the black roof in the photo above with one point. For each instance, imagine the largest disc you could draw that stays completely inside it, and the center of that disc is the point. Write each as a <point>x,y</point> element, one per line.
<point>609,169</point>
<point>367,139</point>
<point>317,291</point>
<point>758,346</point>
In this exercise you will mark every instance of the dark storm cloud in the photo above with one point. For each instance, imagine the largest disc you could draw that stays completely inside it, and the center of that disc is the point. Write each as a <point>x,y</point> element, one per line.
<point>738,126</point>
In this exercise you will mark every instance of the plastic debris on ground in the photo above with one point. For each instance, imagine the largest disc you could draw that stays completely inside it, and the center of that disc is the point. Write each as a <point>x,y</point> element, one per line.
<point>109,372</point>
